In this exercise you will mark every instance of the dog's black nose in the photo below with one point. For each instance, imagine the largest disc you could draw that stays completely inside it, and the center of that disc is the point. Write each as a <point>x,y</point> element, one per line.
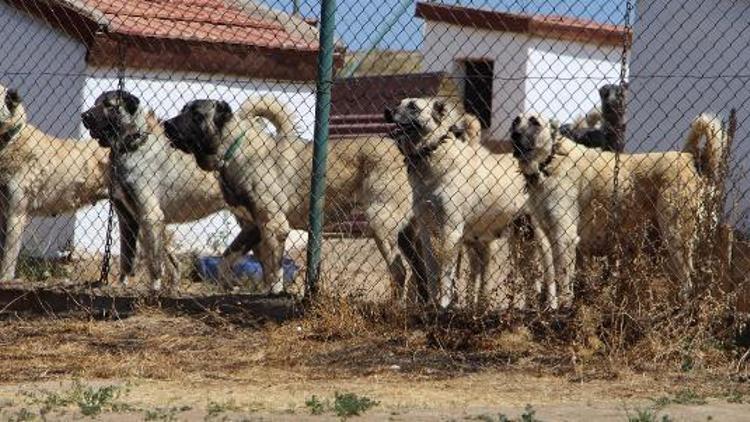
<point>388,114</point>
<point>170,129</point>
<point>86,117</point>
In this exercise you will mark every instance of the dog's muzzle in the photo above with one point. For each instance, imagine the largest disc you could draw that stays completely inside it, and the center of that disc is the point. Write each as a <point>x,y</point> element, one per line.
<point>520,151</point>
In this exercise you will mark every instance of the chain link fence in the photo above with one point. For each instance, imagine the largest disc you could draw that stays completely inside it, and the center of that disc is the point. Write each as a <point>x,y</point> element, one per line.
<point>568,157</point>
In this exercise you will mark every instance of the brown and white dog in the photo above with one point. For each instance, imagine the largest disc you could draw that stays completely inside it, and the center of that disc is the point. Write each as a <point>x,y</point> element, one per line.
<point>463,194</point>
<point>570,184</point>
<point>40,175</point>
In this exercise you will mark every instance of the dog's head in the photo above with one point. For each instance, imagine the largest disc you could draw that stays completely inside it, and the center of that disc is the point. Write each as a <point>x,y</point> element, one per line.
<point>116,116</point>
<point>418,115</point>
<point>532,138</point>
<point>613,102</point>
<point>199,129</point>
<point>12,112</point>
<point>422,121</point>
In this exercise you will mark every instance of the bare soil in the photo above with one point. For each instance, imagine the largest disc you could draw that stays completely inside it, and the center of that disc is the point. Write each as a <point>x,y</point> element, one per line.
<point>213,368</point>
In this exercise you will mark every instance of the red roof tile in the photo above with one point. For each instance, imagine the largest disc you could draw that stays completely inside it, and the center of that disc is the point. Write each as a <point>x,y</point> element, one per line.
<point>210,36</point>
<point>213,21</point>
<point>547,26</point>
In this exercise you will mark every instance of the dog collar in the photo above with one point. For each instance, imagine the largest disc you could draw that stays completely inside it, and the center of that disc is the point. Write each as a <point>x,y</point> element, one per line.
<point>11,133</point>
<point>232,149</point>
<point>421,154</point>
<point>533,178</point>
<point>134,142</point>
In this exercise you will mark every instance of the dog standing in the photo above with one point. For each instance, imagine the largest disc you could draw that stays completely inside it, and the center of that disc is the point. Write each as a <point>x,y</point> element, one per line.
<point>153,184</point>
<point>603,128</point>
<point>267,178</point>
<point>40,175</point>
<point>569,185</point>
<point>462,194</point>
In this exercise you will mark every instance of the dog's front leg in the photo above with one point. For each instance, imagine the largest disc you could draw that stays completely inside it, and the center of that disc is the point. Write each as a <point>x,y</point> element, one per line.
<point>564,239</point>
<point>544,251</point>
<point>273,235</point>
<point>450,249</point>
<point>14,206</point>
<point>153,237</point>
<point>129,229</point>
<point>247,239</point>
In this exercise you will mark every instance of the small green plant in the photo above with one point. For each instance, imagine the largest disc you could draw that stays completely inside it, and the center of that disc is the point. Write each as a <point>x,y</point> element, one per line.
<point>164,414</point>
<point>686,396</point>
<point>90,400</point>
<point>350,404</point>
<point>215,408</point>
<point>93,400</point>
<point>529,414</point>
<point>316,406</point>
<point>38,269</point>
<point>647,415</point>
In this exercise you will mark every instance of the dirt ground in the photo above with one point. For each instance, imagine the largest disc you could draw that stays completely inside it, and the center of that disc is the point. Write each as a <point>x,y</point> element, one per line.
<point>171,367</point>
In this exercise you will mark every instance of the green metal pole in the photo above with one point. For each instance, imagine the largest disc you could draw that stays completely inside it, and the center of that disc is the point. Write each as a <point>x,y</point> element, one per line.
<point>320,143</point>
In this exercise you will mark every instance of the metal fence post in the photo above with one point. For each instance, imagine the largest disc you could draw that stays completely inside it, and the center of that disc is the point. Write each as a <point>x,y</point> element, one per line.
<point>320,143</point>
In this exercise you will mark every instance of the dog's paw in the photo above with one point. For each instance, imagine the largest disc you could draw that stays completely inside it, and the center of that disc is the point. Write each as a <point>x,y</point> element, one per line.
<point>277,288</point>
<point>156,285</point>
<point>445,301</point>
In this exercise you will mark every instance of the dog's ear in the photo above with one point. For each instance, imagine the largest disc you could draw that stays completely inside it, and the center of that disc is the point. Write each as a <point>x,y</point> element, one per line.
<point>388,114</point>
<point>516,122</point>
<point>12,100</point>
<point>604,92</point>
<point>222,114</point>
<point>439,110</point>
<point>130,102</point>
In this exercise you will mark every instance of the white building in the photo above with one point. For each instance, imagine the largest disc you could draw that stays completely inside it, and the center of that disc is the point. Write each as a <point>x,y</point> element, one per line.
<point>512,63</point>
<point>61,54</point>
<point>690,57</point>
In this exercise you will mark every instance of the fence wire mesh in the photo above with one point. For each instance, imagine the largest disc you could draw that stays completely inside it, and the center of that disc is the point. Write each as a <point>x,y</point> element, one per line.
<point>576,157</point>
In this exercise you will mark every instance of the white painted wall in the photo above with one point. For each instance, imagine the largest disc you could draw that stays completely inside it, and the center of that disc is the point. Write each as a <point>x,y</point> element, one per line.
<point>564,77</point>
<point>445,47</point>
<point>690,58</point>
<point>48,69</point>
<point>558,78</point>
<point>166,92</point>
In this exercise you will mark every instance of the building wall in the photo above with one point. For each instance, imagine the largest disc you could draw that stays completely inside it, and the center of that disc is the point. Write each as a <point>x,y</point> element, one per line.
<point>445,46</point>
<point>557,78</point>
<point>690,58</point>
<point>564,77</point>
<point>166,93</point>
<point>48,69</point>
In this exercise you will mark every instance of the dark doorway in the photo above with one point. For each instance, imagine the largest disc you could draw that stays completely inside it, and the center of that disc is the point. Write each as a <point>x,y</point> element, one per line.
<point>478,89</point>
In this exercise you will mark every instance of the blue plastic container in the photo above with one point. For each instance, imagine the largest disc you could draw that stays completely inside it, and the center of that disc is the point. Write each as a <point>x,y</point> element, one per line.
<point>248,267</point>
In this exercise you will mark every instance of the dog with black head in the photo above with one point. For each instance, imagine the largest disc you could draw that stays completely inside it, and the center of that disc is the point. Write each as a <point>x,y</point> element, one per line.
<point>603,127</point>
<point>267,178</point>
<point>152,183</point>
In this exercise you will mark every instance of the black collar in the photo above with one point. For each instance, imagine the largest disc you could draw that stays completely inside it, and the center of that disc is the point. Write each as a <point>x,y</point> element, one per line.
<point>9,134</point>
<point>533,179</point>
<point>421,154</point>
<point>130,142</point>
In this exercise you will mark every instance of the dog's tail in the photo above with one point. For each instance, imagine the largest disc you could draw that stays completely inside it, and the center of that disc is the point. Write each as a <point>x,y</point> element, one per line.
<point>709,159</point>
<point>270,107</point>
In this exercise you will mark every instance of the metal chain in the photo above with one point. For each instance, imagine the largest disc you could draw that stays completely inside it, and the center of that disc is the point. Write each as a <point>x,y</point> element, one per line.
<point>106,259</point>
<point>620,131</point>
